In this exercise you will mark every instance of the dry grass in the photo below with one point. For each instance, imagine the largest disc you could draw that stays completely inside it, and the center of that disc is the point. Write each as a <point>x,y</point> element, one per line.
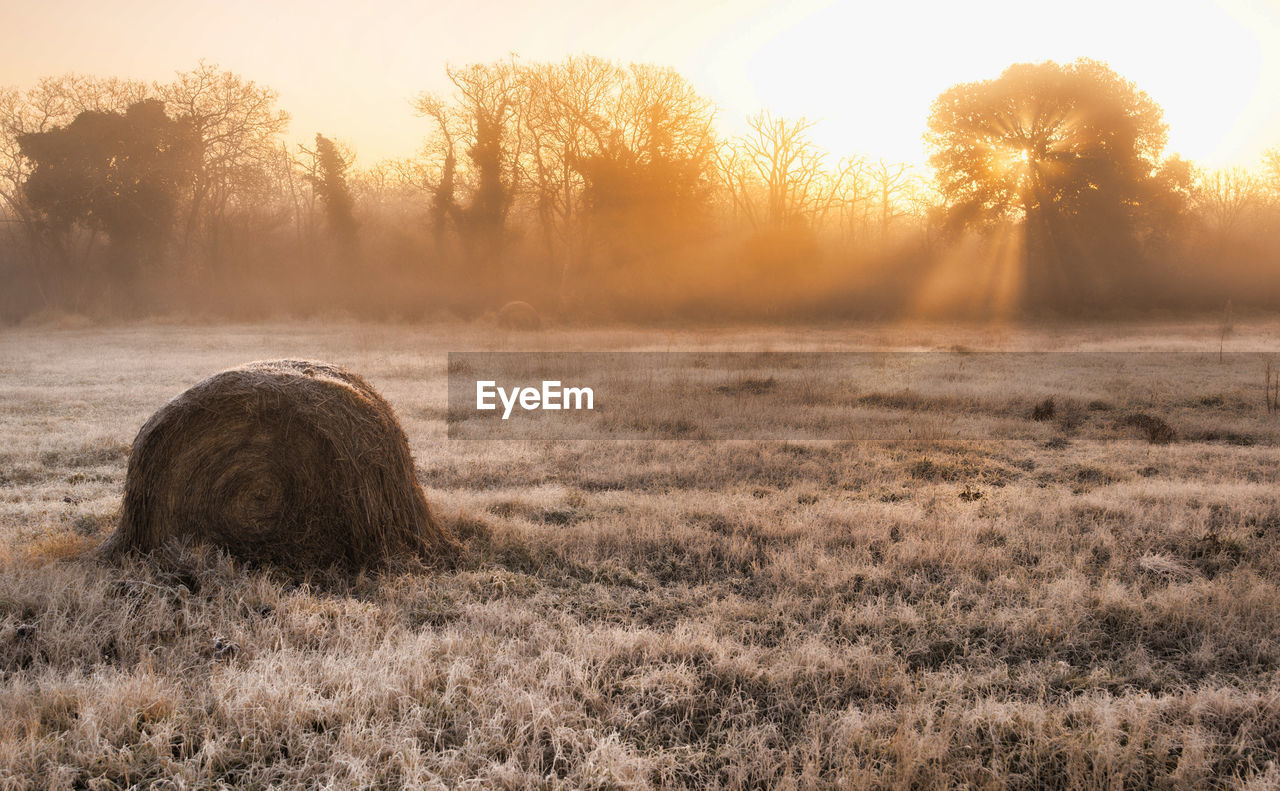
<point>652,614</point>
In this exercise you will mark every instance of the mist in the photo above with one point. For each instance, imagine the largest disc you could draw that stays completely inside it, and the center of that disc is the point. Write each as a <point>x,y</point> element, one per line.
<point>597,191</point>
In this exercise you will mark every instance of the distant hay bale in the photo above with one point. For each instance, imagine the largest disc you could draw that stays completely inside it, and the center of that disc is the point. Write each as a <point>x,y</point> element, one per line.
<point>297,463</point>
<point>519,316</point>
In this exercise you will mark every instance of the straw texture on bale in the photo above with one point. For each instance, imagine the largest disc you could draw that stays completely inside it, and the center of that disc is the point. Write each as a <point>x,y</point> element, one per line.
<point>519,316</point>
<point>293,462</point>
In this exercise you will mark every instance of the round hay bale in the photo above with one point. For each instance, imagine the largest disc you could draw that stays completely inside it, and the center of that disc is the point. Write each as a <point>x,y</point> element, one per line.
<point>519,316</point>
<point>297,463</point>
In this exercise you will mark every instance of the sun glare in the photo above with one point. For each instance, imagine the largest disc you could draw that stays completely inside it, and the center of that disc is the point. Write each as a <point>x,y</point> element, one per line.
<point>1214,115</point>
<point>827,60</point>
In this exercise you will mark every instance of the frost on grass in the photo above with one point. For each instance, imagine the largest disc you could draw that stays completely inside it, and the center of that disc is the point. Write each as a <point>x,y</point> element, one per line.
<point>657,615</point>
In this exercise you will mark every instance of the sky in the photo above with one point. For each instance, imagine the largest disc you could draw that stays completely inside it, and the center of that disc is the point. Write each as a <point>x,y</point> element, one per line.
<point>867,72</point>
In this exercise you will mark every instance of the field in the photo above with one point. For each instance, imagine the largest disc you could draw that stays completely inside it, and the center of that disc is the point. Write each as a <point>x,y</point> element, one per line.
<point>1060,609</point>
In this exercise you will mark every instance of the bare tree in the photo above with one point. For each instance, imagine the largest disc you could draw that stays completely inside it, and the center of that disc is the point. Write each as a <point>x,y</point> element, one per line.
<point>240,129</point>
<point>1225,197</point>
<point>481,122</point>
<point>649,171</point>
<point>488,97</point>
<point>442,148</point>
<point>777,175</point>
<point>891,183</point>
<point>565,123</point>
<point>1271,172</point>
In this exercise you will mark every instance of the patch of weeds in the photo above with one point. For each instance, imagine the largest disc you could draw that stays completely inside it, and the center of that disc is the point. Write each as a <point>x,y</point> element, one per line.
<point>1156,430</point>
<point>59,546</point>
<point>1086,476</point>
<point>926,469</point>
<point>88,524</point>
<point>1215,552</point>
<point>508,508</point>
<point>748,386</point>
<point>1070,421</point>
<point>434,613</point>
<point>1044,410</point>
<point>111,453</point>
<point>992,537</point>
<point>83,477</point>
<point>1164,569</point>
<point>676,428</point>
<point>1223,435</point>
<point>1085,473</point>
<point>930,470</point>
<point>904,400</point>
<point>560,515</point>
<point>224,650</point>
<point>603,485</point>
<point>1086,516</point>
<point>1262,524</point>
<point>716,523</point>
<point>471,532</point>
<point>794,450</point>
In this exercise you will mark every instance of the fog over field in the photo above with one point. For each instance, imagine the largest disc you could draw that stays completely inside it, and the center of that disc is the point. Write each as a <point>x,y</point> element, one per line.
<point>594,190</point>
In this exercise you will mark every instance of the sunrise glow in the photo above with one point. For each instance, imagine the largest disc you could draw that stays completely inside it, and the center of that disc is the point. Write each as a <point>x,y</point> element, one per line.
<point>866,72</point>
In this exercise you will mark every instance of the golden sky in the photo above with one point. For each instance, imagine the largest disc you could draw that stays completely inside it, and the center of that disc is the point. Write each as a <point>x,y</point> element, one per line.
<point>867,70</point>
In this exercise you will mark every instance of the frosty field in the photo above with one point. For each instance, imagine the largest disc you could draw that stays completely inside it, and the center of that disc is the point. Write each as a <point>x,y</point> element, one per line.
<point>1064,608</point>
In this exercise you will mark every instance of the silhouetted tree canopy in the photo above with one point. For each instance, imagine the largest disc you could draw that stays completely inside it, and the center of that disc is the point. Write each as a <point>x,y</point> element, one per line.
<point>647,178</point>
<point>596,188</point>
<point>488,96</point>
<point>123,174</point>
<point>330,184</point>
<point>1074,154</point>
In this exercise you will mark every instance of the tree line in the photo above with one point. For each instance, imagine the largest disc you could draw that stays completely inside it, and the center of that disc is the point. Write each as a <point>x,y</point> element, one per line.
<point>593,189</point>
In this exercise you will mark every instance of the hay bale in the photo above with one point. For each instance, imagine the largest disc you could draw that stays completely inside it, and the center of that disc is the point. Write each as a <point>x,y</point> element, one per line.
<point>298,463</point>
<point>519,316</point>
